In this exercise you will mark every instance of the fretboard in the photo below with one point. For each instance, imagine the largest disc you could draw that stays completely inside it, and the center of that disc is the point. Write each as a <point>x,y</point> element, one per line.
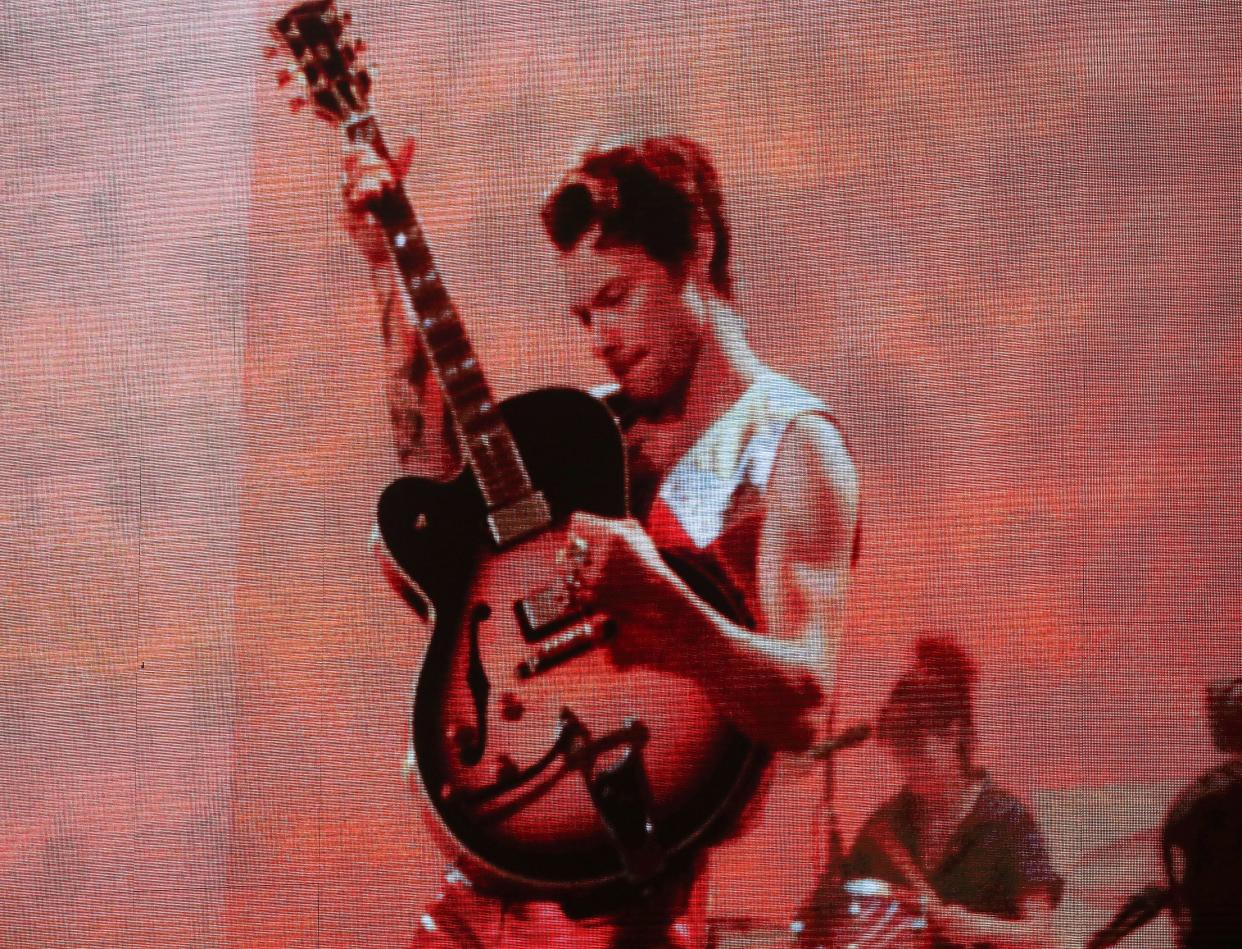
<point>486,442</point>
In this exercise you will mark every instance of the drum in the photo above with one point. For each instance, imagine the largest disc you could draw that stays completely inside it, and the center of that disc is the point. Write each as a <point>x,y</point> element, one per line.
<point>867,914</point>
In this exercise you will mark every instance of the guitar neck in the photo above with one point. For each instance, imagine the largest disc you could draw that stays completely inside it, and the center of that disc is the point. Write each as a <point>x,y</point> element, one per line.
<point>486,442</point>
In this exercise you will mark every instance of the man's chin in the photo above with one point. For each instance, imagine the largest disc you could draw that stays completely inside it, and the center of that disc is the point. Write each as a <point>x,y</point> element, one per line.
<point>643,400</point>
<point>652,403</point>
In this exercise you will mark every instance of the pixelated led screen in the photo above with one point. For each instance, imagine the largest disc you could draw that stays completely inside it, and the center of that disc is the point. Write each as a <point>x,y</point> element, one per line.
<point>919,329</point>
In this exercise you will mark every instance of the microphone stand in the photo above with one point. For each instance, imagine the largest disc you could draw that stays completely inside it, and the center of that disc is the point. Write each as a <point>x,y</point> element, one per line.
<point>827,752</point>
<point>1138,911</point>
<point>815,915</point>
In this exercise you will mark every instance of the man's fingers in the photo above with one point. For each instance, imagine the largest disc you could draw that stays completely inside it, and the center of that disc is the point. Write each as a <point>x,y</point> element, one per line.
<point>401,164</point>
<point>584,522</point>
<point>358,193</point>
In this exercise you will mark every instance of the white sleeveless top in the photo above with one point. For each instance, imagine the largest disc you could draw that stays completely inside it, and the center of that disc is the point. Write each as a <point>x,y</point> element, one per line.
<point>712,499</point>
<point>737,451</point>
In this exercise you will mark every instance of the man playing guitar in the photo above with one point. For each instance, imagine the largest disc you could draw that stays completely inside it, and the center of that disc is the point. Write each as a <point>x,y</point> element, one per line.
<point>727,459</point>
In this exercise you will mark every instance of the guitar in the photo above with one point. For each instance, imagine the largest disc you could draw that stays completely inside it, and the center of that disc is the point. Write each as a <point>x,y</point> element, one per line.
<point>549,773</point>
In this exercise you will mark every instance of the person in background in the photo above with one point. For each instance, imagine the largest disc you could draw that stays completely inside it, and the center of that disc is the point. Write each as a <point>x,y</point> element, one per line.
<point>970,850</point>
<point>1202,836</point>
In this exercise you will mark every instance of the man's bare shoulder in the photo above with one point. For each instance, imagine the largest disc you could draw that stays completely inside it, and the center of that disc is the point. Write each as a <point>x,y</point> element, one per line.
<point>812,509</point>
<point>813,454</point>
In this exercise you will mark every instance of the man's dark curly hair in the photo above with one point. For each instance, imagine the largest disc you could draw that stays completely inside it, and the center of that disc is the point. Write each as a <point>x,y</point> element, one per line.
<point>936,697</point>
<point>660,194</point>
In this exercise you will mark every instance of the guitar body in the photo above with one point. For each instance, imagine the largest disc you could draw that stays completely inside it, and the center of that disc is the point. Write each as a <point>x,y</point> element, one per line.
<point>579,779</point>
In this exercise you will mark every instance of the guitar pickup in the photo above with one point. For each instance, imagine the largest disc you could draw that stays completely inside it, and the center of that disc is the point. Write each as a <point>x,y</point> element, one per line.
<point>566,645</point>
<point>524,516</point>
<point>545,611</point>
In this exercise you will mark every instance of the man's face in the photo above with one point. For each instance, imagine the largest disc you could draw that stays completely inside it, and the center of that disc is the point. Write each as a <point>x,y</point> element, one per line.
<point>638,316</point>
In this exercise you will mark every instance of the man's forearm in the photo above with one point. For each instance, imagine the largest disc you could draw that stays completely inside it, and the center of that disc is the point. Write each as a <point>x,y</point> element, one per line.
<point>769,687</point>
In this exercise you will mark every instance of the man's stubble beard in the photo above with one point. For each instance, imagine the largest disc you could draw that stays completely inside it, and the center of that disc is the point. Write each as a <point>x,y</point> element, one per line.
<point>670,405</point>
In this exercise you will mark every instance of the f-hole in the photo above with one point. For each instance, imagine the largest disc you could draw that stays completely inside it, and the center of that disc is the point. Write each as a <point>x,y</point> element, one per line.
<point>470,752</point>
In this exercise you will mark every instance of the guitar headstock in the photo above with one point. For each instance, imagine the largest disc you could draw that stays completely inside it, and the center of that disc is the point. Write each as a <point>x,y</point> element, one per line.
<point>322,63</point>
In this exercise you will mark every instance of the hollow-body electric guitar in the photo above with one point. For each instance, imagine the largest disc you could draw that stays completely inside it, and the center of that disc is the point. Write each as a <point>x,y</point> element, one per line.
<point>549,771</point>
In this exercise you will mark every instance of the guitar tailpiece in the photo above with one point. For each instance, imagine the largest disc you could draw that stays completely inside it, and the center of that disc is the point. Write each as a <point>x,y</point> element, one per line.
<point>622,797</point>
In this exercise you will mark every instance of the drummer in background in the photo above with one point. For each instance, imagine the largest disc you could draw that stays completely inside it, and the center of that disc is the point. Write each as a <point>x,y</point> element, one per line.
<point>972,851</point>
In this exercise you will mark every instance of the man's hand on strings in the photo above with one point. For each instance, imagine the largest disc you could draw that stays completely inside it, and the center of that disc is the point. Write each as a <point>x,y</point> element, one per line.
<point>616,568</point>
<point>365,177</point>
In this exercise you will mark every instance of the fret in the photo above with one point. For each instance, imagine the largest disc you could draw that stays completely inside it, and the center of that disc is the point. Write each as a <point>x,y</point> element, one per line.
<point>429,295</point>
<point>472,416</point>
<point>443,334</point>
<point>494,448</point>
<point>490,436</point>
<point>473,419</point>
<point>466,367</point>
<point>432,320</point>
<point>461,381</point>
<point>463,389</point>
<point>450,351</point>
<point>498,446</point>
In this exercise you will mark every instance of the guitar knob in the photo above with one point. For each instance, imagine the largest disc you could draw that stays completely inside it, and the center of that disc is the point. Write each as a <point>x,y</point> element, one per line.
<point>465,738</point>
<point>511,707</point>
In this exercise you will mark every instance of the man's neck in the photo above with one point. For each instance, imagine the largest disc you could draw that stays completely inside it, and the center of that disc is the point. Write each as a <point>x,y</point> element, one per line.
<point>724,370</point>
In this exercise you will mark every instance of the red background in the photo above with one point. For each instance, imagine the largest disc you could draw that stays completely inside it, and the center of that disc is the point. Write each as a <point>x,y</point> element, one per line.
<point>1001,240</point>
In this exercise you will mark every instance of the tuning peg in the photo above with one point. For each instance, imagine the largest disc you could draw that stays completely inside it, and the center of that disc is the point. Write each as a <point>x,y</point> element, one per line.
<point>293,77</point>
